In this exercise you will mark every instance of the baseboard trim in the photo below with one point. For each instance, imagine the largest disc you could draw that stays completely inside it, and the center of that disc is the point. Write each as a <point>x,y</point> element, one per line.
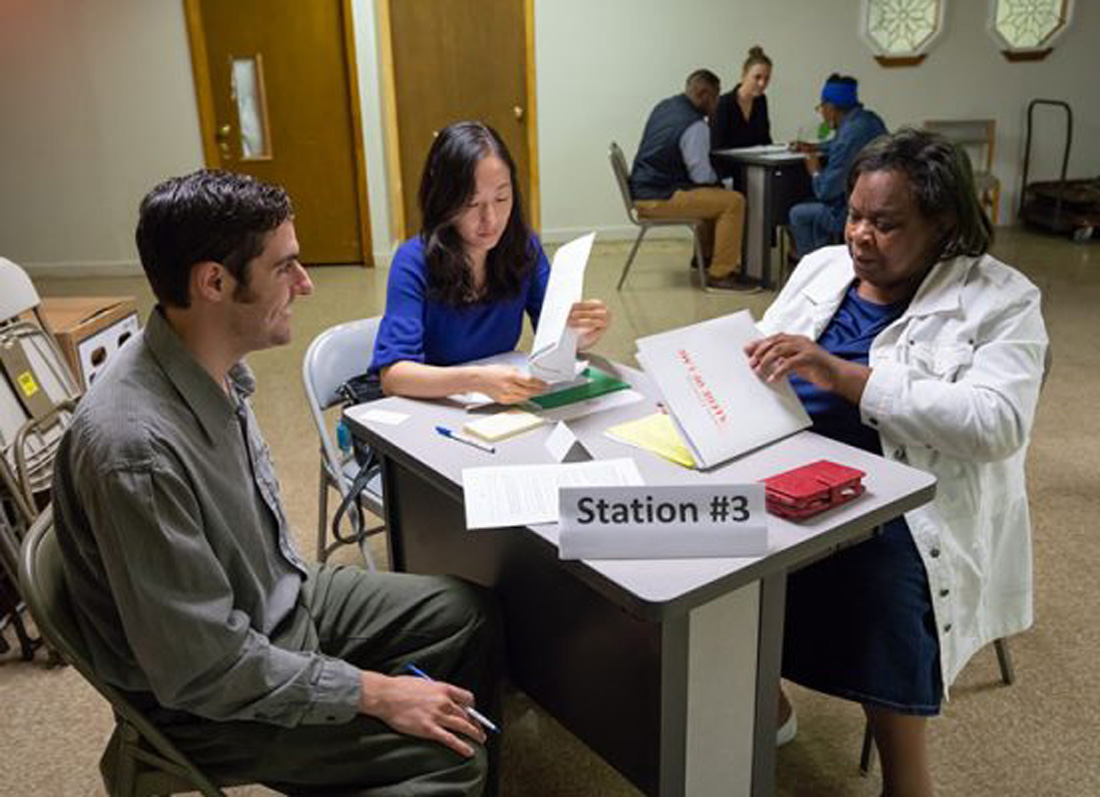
<point>71,270</point>
<point>618,233</point>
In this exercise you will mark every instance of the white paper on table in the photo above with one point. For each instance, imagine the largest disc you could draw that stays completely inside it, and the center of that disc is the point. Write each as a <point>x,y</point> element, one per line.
<point>560,440</point>
<point>564,446</point>
<point>520,495</point>
<point>554,352</point>
<point>364,414</point>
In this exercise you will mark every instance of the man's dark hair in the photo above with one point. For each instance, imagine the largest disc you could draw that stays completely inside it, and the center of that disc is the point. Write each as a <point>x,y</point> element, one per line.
<point>446,186</point>
<point>207,215</point>
<point>704,76</point>
<point>942,183</point>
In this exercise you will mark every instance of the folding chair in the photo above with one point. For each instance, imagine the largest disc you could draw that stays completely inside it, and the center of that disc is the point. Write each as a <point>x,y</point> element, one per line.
<point>334,357</point>
<point>38,393</point>
<point>977,138</point>
<point>37,396</point>
<point>139,760</point>
<point>622,178</point>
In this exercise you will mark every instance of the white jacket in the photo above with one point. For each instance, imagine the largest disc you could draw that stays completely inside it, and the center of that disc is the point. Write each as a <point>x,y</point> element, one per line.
<point>953,388</point>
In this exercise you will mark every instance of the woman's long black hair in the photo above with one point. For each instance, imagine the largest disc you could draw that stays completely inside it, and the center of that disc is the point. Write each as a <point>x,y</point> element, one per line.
<point>446,187</point>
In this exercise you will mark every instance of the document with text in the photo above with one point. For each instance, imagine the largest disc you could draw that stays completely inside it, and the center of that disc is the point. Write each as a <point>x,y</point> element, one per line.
<point>722,408</point>
<point>520,495</point>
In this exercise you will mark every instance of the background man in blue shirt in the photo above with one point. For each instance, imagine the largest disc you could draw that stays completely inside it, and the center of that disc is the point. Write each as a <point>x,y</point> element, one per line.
<point>820,223</point>
<point>672,176</point>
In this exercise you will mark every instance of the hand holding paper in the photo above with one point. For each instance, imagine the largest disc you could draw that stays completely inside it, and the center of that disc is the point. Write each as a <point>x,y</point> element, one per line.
<point>506,385</point>
<point>589,320</point>
<point>554,352</point>
<point>779,356</point>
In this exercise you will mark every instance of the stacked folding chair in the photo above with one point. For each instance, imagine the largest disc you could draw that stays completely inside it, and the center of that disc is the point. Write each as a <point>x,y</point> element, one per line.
<point>37,396</point>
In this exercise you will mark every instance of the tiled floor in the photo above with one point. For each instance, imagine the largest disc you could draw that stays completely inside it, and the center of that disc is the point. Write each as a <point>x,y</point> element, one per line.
<point>1036,737</point>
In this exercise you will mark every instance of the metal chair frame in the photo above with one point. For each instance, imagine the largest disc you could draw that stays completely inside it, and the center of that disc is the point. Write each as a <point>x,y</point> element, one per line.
<point>139,759</point>
<point>336,355</point>
<point>622,179</point>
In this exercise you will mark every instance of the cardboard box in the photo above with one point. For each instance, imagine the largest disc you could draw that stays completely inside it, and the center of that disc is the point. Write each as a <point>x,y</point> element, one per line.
<point>91,329</point>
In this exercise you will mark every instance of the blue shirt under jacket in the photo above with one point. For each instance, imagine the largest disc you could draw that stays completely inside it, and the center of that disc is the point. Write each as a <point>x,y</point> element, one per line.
<point>849,335</point>
<point>419,329</point>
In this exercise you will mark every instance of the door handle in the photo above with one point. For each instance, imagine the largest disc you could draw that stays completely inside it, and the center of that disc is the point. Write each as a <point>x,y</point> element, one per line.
<point>221,135</point>
<point>517,111</point>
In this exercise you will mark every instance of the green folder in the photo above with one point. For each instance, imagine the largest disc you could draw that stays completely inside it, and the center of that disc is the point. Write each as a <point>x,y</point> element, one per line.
<point>599,382</point>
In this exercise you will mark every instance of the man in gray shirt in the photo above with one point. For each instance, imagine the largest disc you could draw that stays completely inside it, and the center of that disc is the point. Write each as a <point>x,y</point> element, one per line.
<point>187,587</point>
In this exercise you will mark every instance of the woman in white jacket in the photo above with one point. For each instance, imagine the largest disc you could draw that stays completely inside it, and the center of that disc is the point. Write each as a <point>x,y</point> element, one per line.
<point>913,342</point>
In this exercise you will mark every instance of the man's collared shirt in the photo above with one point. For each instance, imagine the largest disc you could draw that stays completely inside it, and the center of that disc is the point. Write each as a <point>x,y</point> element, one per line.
<point>695,148</point>
<point>176,545</point>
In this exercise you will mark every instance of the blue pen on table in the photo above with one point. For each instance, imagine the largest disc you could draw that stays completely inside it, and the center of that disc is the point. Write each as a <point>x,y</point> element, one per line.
<point>453,435</point>
<point>473,712</point>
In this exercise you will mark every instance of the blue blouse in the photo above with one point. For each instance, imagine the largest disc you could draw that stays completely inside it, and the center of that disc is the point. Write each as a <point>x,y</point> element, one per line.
<point>421,330</point>
<point>856,323</point>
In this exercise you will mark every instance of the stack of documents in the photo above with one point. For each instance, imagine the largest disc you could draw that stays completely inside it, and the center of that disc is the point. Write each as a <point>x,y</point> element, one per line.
<point>721,408</point>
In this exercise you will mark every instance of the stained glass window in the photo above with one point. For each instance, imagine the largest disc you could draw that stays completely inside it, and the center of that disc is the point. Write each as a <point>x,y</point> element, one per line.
<point>901,31</point>
<point>1029,26</point>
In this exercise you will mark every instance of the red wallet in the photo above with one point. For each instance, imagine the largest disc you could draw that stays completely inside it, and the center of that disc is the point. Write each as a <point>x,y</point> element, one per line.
<point>803,492</point>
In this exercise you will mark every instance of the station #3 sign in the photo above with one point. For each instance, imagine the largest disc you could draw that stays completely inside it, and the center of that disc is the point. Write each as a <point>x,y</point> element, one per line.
<point>666,522</point>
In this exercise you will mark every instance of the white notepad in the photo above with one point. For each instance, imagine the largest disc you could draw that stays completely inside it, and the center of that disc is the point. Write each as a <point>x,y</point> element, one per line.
<point>502,425</point>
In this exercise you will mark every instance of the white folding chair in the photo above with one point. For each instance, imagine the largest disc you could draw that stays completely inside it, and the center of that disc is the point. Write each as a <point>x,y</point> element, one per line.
<point>334,357</point>
<point>30,432</point>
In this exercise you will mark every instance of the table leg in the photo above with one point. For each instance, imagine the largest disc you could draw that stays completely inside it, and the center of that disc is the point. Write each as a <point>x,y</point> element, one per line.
<point>757,234</point>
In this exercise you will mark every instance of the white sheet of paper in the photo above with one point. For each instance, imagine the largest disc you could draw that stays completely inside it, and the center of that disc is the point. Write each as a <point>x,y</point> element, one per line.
<point>364,414</point>
<point>559,442</point>
<point>554,352</point>
<point>519,495</point>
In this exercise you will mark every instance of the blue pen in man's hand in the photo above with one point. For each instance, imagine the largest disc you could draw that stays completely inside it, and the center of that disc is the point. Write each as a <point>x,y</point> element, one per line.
<point>473,712</point>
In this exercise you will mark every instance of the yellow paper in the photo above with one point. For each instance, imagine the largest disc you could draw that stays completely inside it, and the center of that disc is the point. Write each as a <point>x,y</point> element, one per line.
<point>656,433</point>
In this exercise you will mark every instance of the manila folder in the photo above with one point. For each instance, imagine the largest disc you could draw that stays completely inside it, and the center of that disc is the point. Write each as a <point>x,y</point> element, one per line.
<point>723,409</point>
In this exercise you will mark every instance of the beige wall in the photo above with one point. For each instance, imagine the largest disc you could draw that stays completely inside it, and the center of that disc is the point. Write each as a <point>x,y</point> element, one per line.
<point>98,102</point>
<point>97,105</point>
<point>602,66</point>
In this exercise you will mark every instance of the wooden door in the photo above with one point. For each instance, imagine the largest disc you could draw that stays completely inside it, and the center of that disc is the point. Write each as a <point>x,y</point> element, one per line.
<point>278,99</point>
<point>456,60</point>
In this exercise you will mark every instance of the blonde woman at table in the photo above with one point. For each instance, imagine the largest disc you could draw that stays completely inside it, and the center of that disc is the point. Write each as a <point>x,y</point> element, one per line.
<point>741,119</point>
<point>459,290</point>
<point>914,343</point>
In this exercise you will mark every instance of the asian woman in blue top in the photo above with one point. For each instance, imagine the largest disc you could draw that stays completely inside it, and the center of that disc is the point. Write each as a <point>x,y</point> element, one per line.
<point>459,290</point>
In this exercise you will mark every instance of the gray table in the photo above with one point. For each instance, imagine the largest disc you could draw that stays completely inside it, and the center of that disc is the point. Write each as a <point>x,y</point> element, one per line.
<point>773,183</point>
<point>668,669</point>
